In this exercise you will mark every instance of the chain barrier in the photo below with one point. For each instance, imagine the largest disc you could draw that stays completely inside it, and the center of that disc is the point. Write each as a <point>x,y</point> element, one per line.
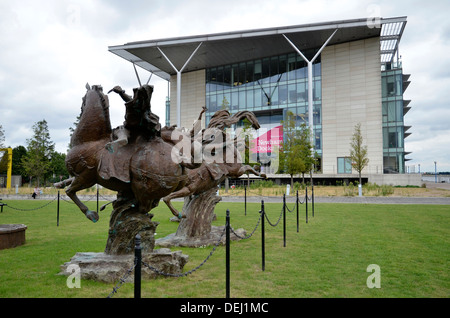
<point>251,234</point>
<point>225,230</point>
<point>33,209</point>
<point>289,210</point>
<point>304,200</point>
<point>122,280</point>
<point>159,272</point>
<point>274,225</point>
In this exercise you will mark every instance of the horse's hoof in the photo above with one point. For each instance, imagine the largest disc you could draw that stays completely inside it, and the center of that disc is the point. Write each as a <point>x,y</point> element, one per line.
<point>93,216</point>
<point>181,216</point>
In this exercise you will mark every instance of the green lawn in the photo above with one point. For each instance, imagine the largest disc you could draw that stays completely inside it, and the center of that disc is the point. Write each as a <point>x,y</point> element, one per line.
<point>327,258</point>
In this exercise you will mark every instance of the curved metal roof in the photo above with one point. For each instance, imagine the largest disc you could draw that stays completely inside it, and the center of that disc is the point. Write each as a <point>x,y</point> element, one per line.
<point>233,47</point>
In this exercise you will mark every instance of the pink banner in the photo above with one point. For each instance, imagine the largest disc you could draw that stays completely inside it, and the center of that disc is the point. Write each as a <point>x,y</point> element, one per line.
<point>267,141</point>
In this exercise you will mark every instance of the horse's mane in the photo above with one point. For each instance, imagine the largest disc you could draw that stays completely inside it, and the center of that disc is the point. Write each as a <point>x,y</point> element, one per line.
<point>99,90</point>
<point>222,119</point>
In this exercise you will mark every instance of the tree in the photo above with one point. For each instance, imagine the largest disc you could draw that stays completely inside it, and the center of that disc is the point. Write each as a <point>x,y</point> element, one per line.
<point>305,150</point>
<point>36,162</point>
<point>225,104</point>
<point>58,165</point>
<point>358,152</point>
<point>295,150</point>
<point>18,153</point>
<point>72,130</point>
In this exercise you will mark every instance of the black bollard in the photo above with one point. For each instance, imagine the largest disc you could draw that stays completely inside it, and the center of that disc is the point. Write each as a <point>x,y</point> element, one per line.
<point>284,220</point>
<point>263,253</point>
<point>227,257</point>
<point>306,203</point>
<point>298,203</point>
<point>245,199</point>
<point>312,199</point>
<point>57,212</point>
<point>137,268</point>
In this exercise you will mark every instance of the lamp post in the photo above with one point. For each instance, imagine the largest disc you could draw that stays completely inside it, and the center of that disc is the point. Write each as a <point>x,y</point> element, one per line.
<point>435,173</point>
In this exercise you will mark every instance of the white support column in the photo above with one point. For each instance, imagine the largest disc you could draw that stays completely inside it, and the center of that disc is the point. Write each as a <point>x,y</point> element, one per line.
<point>179,80</point>
<point>310,81</point>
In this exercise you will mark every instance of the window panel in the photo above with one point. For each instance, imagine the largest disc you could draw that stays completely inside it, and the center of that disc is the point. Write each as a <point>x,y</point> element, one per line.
<point>292,93</point>
<point>391,111</point>
<point>317,90</point>
<point>242,99</point>
<point>282,94</point>
<point>301,92</point>
<point>344,165</point>
<point>249,73</point>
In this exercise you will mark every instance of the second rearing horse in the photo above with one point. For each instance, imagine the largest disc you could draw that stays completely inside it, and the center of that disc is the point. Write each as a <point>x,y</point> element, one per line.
<point>229,164</point>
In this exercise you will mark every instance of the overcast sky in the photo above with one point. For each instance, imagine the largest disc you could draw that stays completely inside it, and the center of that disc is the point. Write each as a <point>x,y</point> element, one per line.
<point>50,49</point>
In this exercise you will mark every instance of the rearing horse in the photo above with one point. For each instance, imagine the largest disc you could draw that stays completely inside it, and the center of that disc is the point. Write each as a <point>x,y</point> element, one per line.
<point>212,172</point>
<point>142,172</point>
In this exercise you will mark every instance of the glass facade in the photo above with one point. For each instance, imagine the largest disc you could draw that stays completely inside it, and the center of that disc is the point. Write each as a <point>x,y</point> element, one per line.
<point>344,165</point>
<point>393,124</point>
<point>269,87</point>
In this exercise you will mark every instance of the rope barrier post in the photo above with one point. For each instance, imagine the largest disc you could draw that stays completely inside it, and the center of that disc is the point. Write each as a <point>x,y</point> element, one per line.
<point>245,199</point>
<point>137,269</point>
<point>297,203</point>
<point>57,212</point>
<point>312,198</point>
<point>284,220</point>
<point>227,258</point>
<point>263,253</point>
<point>306,203</point>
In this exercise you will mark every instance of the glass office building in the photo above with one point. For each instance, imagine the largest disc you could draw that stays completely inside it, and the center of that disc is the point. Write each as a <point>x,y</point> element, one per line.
<point>270,87</point>
<point>394,107</point>
<point>356,78</point>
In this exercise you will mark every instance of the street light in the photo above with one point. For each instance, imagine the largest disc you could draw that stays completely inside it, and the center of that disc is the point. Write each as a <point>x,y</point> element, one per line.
<point>435,173</point>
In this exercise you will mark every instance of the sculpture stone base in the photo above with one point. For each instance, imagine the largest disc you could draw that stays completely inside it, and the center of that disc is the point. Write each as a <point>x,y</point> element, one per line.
<point>125,223</point>
<point>196,229</point>
<point>111,268</point>
<point>210,238</point>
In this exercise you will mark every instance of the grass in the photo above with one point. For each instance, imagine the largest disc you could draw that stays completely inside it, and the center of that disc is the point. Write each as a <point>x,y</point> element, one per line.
<point>327,258</point>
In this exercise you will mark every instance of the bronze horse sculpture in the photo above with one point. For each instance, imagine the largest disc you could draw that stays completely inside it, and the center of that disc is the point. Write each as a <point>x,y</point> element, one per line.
<point>140,170</point>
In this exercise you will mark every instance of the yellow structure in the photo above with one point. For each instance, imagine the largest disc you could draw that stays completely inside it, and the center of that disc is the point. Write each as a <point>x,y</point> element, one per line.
<point>9,171</point>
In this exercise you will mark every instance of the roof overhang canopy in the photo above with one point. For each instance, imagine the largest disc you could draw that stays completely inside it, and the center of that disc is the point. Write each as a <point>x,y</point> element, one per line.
<point>233,47</point>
